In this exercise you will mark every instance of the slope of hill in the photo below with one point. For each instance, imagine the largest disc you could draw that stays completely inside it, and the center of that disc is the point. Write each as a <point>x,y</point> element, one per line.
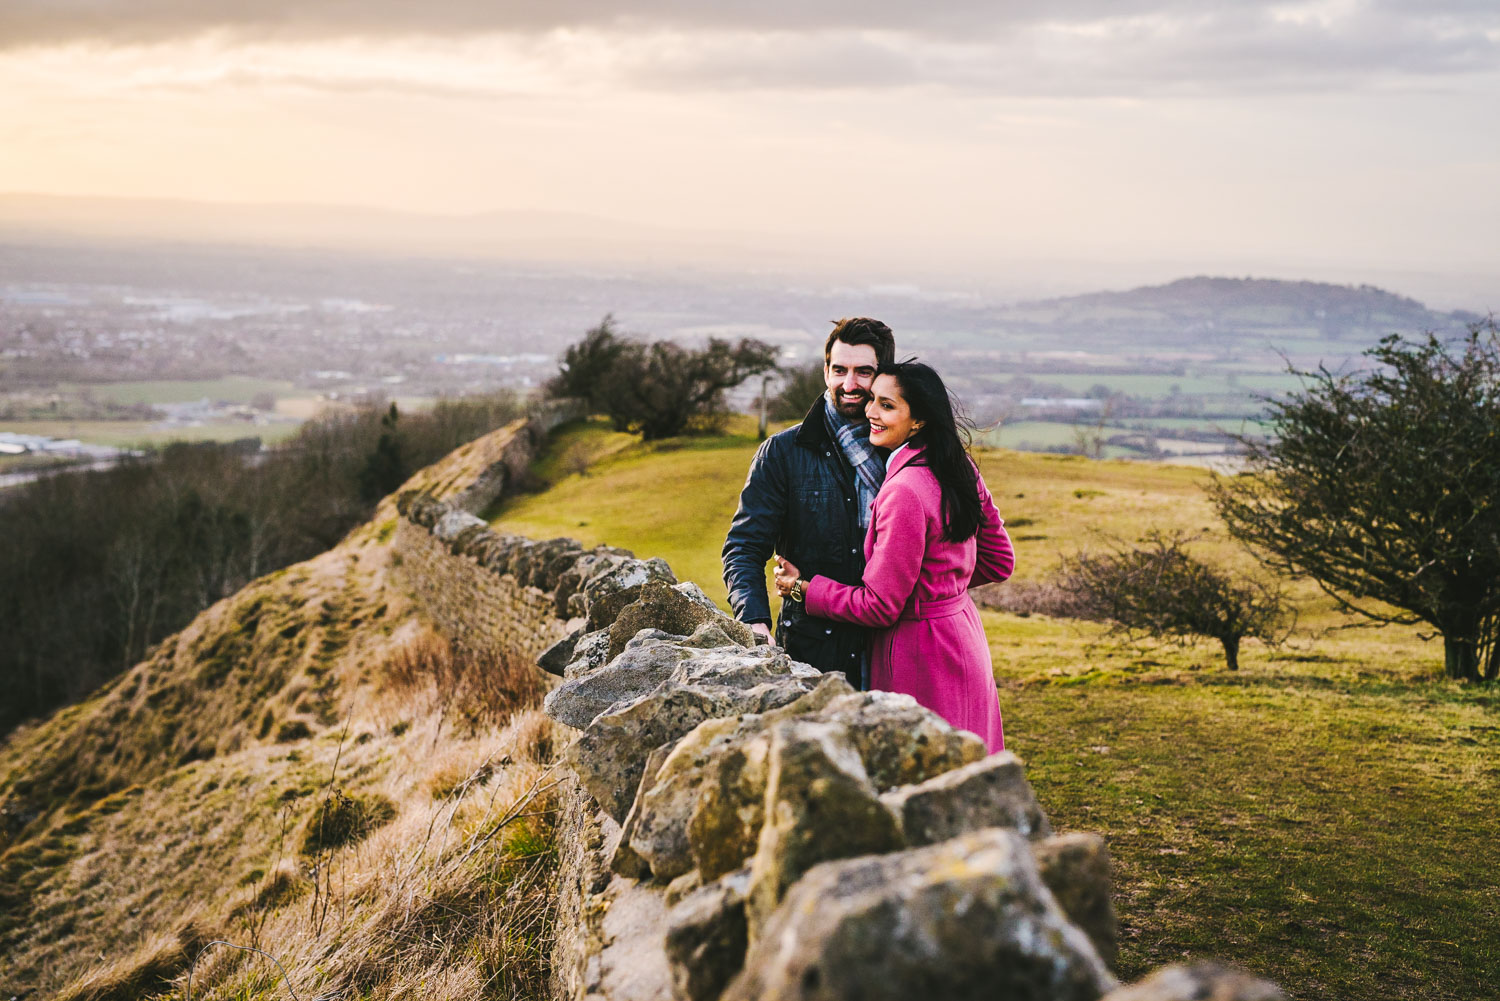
<point>306,765</point>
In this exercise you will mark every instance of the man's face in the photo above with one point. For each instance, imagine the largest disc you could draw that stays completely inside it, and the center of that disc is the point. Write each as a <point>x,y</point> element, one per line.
<point>849,371</point>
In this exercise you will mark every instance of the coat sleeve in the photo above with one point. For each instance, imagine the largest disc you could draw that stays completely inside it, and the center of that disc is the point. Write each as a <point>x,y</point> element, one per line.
<point>892,572</point>
<point>995,557</point>
<point>752,535</point>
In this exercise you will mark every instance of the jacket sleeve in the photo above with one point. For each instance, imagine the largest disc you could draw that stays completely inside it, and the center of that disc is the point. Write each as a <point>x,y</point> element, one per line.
<point>995,557</point>
<point>890,576</point>
<point>752,535</point>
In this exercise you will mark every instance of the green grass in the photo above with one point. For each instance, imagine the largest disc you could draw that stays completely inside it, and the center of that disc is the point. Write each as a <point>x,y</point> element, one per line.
<point>230,389</point>
<point>1324,816</point>
<point>1210,382</point>
<point>130,434</point>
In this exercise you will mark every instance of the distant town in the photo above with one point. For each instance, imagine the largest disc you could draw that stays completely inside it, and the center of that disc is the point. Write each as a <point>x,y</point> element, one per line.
<point>102,352</point>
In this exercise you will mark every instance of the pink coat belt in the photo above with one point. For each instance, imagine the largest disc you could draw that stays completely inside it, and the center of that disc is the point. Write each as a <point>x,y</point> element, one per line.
<point>935,608</point>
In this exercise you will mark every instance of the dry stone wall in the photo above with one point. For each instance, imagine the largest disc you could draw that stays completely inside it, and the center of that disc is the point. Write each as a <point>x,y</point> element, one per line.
<point>738,825</point>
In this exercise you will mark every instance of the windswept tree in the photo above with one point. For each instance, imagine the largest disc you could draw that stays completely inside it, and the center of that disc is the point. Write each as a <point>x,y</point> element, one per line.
<point>1159,589</point>
<point>586,364</point>
<point>660,389</point>
<point>1382,485</point>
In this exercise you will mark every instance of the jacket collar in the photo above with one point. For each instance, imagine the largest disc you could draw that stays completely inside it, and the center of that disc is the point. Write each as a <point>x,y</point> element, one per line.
<point>903,459</point>
<point>814,430</point>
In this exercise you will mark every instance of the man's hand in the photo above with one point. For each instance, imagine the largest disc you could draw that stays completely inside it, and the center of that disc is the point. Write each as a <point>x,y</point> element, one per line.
<point>786,575</point>
<point>761,629</point>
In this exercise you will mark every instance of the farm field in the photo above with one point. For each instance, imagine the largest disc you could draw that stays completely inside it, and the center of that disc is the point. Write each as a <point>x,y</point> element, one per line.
<point>293,406</point>
<point>1323,816</point>
<point>130,434</point>
<point>230,389</point>
<point>1214,382</point>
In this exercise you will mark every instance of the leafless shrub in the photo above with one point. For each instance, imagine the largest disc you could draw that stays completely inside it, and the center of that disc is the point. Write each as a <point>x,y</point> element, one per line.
<point>1035,597</point>
<point>1159,589</point>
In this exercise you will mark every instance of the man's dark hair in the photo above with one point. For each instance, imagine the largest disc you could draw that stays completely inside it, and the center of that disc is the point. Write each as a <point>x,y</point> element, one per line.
<point>863,330</point>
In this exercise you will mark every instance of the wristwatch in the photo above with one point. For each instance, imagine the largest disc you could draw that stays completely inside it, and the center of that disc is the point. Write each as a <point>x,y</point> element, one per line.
<point>799,590</point>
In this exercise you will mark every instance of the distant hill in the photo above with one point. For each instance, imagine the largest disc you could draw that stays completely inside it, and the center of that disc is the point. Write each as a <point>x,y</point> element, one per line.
<point>1206,311</point>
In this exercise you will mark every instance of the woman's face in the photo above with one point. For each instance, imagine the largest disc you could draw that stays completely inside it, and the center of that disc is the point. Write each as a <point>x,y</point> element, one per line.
<point>888,414</point>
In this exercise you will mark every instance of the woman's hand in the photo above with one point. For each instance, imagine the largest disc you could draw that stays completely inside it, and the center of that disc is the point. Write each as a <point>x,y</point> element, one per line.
<point>786,576</point>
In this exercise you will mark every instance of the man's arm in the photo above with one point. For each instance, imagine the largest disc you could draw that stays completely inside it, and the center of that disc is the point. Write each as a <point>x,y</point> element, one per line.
<point>752,537</point>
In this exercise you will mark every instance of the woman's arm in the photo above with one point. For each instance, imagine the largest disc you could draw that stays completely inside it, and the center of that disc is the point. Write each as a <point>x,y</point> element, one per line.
<point>995,558</point>
<point>891,575</point>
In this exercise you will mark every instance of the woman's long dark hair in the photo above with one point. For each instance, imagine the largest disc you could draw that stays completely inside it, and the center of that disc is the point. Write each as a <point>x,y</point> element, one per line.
<point>945,435</point>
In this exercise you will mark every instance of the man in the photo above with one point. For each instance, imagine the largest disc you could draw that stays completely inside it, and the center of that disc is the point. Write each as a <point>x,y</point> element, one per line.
<point>808,498</point>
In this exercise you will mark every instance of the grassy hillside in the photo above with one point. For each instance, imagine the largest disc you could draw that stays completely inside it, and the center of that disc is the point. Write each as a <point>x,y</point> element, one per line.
<point>1324,815</point>
<point>284,774</point>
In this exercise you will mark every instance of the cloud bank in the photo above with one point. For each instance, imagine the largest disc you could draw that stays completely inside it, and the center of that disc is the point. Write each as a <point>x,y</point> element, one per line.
<point>1023,48</point>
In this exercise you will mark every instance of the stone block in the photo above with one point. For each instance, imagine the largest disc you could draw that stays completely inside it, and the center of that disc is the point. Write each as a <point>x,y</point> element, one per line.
<point>532,569</point>
<point>901,742</point>
<point>556,658</point>
<point>706,938</point>
<point>991,792</point>
<point>819,805</point>
<point>1075,867</point>
<point>707,805</point>
<point>610,755</point>
<point>588,653</point>
<point>452,523</point>
<point>662,606</point>
<point>967,919</point>
<point>608,592</point>
<point>1199,982</point>
<point>633,674</point>
<point>626,860</point>
<point>571,580</point>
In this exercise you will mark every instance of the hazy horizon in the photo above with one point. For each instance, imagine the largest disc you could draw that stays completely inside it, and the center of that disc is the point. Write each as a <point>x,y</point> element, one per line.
<point>563,240</point>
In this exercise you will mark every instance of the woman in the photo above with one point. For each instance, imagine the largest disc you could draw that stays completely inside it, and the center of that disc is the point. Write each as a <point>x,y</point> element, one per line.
<point>934,533</point>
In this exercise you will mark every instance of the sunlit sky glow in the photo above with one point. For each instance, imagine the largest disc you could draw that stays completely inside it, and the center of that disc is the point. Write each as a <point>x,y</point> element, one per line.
<point>1357,133</point>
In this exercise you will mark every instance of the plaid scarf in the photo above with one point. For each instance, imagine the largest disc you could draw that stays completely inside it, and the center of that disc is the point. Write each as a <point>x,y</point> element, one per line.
<point>869,469</point>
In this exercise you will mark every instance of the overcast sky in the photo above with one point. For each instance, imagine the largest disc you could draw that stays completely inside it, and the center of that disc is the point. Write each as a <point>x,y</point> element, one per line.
<point>1344,134</point>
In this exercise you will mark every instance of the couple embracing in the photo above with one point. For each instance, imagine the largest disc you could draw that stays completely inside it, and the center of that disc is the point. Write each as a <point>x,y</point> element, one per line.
<point>880,523</point>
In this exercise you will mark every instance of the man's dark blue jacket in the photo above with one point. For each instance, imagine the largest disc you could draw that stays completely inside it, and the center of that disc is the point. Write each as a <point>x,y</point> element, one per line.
<point>799,500</point>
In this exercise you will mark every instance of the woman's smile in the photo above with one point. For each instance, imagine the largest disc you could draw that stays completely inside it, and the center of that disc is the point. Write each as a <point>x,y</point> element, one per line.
<point>889,414</point>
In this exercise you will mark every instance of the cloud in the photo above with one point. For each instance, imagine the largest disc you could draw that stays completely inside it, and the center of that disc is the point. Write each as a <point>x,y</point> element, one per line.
<point>53,21</point>
<point>1024,48</point>
<point>1133,57</point>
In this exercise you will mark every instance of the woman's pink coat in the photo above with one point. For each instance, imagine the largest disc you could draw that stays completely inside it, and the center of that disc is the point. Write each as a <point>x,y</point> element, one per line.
<point>915,588</point>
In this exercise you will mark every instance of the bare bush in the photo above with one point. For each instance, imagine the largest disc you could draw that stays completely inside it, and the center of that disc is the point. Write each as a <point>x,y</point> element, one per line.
<point>1160,590</point>
<point>1035,597</point>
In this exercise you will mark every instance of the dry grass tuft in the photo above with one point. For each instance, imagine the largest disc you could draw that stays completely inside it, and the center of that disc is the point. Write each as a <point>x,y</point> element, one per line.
<point>340,819</point>
<point>480,686</point>
<point>281,886</point>
<point>149,970</point>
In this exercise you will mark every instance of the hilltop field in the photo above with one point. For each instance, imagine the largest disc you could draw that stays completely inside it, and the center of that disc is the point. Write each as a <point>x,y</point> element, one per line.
<point>1324,816</point>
